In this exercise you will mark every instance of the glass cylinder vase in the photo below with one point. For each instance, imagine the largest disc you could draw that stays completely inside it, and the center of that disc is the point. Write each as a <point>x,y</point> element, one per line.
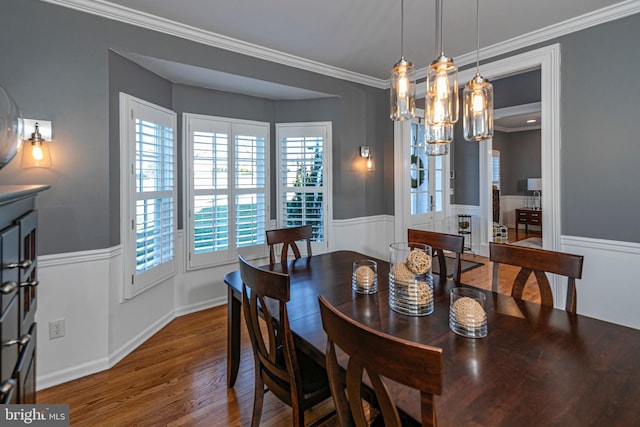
<point>410,279</point>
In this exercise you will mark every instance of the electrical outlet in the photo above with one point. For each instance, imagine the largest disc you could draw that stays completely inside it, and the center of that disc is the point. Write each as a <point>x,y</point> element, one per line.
<point>56,329</point>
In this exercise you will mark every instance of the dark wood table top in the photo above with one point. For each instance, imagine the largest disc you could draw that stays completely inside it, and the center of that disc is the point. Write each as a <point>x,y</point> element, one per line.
<point>537,366</point>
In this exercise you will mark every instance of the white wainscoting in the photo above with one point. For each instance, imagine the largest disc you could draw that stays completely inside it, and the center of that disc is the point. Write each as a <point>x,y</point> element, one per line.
<point>368,235</point>
<point>476,246</point>
<point>508,206</point>
<point>609,289</point>
<point>84,288</point>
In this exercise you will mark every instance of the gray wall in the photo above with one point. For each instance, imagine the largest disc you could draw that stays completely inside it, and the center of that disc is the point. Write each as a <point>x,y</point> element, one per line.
<point>600,131</point>
<point>130,78</point>
<point>520,158</point>
<point>507,92</point>
<point>517,90</point>
<point>70,85</point>
<point>62,69</point>
<point>600,177</point>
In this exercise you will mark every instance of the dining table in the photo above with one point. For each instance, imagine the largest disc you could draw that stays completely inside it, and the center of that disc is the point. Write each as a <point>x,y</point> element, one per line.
<point>537,366</point>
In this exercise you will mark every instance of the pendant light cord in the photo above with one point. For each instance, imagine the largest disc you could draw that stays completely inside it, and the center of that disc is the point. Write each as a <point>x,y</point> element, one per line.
<point>401,28</point>
<point>478,37</point>
<point>439,43</point>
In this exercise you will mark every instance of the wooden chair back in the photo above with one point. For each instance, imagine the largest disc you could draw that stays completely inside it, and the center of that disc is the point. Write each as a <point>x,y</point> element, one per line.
<point>415,365</point>
<point>277,365</point>
<point>441,242</point>
<point>537,262</point>
<point>288,237</point>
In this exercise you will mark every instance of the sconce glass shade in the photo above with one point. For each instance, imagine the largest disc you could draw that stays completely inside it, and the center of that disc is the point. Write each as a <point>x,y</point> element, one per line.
<point>367,158</point>
<point>370,164</point>
<point>35,152</point>
<point>10,125</point>
<point>403,91</point>
<point>442,92</point>
<point>478,109</point>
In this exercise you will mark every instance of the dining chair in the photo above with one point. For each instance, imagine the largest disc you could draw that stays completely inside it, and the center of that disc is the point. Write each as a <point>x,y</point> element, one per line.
<point>537,262</point>
<point>441,242</point>
<point>288,237</point>
<point>415,365</point>
<point>289,374</point>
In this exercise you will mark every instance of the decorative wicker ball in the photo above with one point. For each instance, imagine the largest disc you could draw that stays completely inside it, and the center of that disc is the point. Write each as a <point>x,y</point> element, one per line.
<point>365,276</point>
<point>468,312</point>
<point>401,273</point>
<point>418,261</point>
<point>420,292</point>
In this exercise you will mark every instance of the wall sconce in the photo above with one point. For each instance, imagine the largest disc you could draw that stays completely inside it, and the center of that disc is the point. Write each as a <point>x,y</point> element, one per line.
<point>35,150</point>
<point>365,153</point>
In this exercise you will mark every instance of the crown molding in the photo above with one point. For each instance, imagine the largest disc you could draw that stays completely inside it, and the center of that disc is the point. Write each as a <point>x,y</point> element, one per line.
<point>130,16</point>
<point>582,22</point>
<point>517,110</point>
<point>127,15</point>
<point>519,129</point>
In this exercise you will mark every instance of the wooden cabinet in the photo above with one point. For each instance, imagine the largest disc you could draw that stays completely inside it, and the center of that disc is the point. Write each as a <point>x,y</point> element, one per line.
<point>528,217</point>
<point>18,293</point>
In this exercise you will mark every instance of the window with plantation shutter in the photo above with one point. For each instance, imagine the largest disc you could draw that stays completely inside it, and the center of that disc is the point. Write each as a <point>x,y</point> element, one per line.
<point>304,182</point>
<point>495,169</point>
<point>228,188</point>
<point>148,184</point>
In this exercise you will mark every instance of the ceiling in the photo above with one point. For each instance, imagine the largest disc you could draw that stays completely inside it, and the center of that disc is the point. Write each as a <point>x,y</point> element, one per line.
<point>356,40</point>
<point>361,36</point>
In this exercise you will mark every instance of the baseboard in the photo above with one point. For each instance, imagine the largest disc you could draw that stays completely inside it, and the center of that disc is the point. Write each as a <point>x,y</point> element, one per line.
<point>69,374</point>
<point>203,305</point>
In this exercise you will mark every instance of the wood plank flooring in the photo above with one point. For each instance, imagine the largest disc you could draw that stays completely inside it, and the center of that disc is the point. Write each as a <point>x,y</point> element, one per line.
<point>178,377</point>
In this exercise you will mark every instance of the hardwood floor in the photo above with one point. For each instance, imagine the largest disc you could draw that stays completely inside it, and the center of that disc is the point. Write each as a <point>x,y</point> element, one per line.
<point>178,377</point>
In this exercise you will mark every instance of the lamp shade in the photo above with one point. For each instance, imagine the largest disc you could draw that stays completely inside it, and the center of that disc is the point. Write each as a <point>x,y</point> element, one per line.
<point>478,109</point>
<point>442,92</point>
<point>437,139</point>
<point>403,91</point>
<point>534,184</point>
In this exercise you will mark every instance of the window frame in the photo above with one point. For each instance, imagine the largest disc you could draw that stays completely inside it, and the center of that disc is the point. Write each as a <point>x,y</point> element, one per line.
<point>132,108</point>
<point>191,123</point>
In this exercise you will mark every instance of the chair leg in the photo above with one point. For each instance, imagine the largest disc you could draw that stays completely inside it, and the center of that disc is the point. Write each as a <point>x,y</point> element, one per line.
<point>258,399</point>
<point>298,416</point>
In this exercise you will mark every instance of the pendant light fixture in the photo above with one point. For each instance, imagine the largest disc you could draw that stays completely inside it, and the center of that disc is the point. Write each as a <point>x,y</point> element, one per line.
<point>403,82</point>
<point>478,99</point>
<point>437,139</point>
<point>442,83</point>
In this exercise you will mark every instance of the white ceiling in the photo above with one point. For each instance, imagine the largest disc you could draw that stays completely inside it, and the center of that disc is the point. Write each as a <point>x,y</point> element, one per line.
<point>362,36</point>
<point>357,40</point>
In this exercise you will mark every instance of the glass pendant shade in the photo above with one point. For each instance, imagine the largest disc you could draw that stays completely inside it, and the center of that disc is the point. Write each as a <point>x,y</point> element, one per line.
<point>10,125</point>
<point>442,92</point>
<point>478,109</point>
<point>436,149</point>
<point>403,91</point>
<point>437,139</point>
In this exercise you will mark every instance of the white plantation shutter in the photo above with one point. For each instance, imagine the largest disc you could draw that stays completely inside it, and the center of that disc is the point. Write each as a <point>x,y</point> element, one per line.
<point>228,188</point>
<point>495,168</point>
<point>148,159</point>
<point>304,158</point>
<point>250,173</point>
